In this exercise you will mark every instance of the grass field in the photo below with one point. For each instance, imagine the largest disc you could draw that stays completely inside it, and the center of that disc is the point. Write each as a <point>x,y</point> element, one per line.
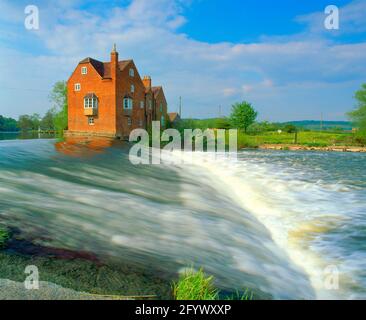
<point>255,138</point>
<point>307,138</point>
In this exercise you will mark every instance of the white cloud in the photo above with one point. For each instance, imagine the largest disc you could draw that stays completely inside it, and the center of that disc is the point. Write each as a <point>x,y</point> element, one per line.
<point>352,19</point>
<point>228,92</point>
<point>204,74</point>
<point>247,88</point>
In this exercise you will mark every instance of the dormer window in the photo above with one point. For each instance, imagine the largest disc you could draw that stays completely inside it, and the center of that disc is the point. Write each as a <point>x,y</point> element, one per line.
<point>132,72</point>
<point>132,88</point>
<point>84,70</point>
<point>77,87</point>
<point>90,101</point>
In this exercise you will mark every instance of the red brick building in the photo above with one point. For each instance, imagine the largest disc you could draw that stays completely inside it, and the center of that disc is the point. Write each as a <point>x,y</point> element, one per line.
<point>110,99</point>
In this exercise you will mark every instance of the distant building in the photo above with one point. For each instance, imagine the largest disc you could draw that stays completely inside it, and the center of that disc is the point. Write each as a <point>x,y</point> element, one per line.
<point>110,99</point>
<point>174,117</point>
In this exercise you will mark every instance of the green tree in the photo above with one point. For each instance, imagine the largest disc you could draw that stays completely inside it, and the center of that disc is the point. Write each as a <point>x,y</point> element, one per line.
<point>358,116</point>
<point>222,123</point>
<point>8,124</point>
<point>242,115</point>
<point>58,97</point>
<point>29,122</point>
<point>290,128</point>
<point>48,121</point>
<point>36,121</point>
<point>25,122</point>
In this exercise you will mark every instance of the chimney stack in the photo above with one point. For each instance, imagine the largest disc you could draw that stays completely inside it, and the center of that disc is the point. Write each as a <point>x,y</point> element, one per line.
<point>114,61</point>
<point>147,82</point>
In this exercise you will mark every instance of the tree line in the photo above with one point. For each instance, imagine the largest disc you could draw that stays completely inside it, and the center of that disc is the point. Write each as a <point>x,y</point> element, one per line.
<point>55,119</point>
<point>243,117</point>
<point>8,124</point>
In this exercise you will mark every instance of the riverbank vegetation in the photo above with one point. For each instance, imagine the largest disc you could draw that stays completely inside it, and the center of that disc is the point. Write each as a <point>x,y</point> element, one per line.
<point>358,115</point>
<point>79,271</point>
<point>8,124</point>
<point>54,120</point>
<point>260,133</point>
<point>196,285</point>
<point>84,273</point>
<point>4,236</point>
<point>302,138</point>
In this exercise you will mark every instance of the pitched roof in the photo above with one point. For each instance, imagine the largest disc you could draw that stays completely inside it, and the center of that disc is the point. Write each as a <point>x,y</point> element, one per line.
<point>99,66</point>
<point>90,95</point>
<point>107,70</point>
<point>156,90</point>
<point>123,64</point>
<point>104,68</point>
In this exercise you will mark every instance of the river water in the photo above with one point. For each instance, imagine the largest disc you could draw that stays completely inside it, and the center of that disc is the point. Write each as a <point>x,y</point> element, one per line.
<point>288,225</point>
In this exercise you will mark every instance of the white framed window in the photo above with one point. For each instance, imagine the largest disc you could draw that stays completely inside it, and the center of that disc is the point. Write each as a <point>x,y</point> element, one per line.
<point>129,121</point>
<point>84,70</point>
<point>132,88</point>
<point>142,104</point>
<point>127,103</point>
<point>90,101</point>
<point>77,87</point>
<point>140,123</point>
<point>91,121</point>
<point>132,72</point>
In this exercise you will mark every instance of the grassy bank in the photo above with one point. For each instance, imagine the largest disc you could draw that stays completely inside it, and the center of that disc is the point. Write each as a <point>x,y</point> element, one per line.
<point>268,133</point>
<point>305,138</point>
<point>73,278</point>
<point>196,285</point>
<point>81,273</point>
<point>86,276</point>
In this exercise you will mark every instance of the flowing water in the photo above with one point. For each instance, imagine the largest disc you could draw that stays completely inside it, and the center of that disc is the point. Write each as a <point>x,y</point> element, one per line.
<point>285,224</point>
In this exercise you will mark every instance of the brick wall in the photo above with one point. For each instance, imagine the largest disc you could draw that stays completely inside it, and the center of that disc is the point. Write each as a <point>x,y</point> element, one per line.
<point>105,120</point>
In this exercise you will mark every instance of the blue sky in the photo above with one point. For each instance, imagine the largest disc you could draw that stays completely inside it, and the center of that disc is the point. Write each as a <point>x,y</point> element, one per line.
<point>277,55</point>
<point>245,21</point>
